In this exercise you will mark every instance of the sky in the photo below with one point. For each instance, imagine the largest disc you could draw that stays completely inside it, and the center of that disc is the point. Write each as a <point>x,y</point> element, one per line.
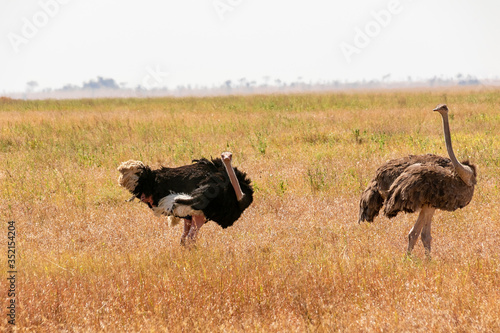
<point>157,43</point>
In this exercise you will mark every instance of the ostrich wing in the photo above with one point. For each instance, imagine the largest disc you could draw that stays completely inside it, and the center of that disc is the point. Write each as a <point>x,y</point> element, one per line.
<point>215,196</point>
<point>391,170</point>
<point>427,184</point>
<point>377,190</point>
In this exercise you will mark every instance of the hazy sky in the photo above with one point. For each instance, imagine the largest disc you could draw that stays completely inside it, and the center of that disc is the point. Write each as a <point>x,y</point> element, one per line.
<point>169,43</point>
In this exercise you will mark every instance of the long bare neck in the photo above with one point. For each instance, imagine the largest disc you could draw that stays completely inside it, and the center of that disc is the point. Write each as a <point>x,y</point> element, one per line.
<point>226,159</point>
<point>463,171</point>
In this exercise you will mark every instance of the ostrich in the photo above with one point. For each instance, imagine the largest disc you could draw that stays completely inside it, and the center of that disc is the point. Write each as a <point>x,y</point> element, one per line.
<point>425,182</point>
<point>195,193</point>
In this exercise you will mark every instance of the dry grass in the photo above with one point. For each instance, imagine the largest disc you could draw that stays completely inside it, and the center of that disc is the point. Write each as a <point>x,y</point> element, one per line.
<point>296,260</point>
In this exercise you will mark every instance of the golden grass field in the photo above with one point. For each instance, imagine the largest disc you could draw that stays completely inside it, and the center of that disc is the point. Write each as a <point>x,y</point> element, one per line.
<point>296,261</point>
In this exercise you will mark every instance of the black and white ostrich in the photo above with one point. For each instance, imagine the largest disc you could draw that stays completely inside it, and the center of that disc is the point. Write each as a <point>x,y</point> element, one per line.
<point>205,190</point>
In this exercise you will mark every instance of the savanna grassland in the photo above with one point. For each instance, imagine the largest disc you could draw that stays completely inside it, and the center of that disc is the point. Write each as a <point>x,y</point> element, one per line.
<point>296,261</point>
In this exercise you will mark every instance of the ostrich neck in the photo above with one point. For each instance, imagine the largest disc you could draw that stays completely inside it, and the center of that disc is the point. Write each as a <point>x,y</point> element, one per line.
<point>233,178</point>
<point>447,140</point>
<point>463,171</point>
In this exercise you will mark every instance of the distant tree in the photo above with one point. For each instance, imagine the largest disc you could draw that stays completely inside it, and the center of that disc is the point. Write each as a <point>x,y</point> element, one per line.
<point>468,81</point>
<point>101,83</point>
<point>70,87</point>
<point>31,86</point>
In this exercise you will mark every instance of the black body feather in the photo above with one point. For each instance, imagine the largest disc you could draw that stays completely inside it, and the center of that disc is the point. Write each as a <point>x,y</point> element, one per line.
<point>208,184</point>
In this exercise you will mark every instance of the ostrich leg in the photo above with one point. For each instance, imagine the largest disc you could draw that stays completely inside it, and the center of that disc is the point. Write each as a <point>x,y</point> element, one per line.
<point>425,215</point>
<point>198,221</point>
<point>426,233</point>
<point>187,226</point>
<point>226,159</point>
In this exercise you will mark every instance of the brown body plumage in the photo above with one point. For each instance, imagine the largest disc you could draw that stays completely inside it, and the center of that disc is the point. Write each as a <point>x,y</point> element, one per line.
<point>377,190</point>
<point>427,184</point>
<point>420,182</point>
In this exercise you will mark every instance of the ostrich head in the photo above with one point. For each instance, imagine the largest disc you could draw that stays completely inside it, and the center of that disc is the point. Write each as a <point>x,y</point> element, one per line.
<point>441,108</point>
<point>130,173</point>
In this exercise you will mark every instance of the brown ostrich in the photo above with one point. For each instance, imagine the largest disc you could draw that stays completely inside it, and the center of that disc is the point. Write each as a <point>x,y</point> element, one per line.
<point>425,182</point>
